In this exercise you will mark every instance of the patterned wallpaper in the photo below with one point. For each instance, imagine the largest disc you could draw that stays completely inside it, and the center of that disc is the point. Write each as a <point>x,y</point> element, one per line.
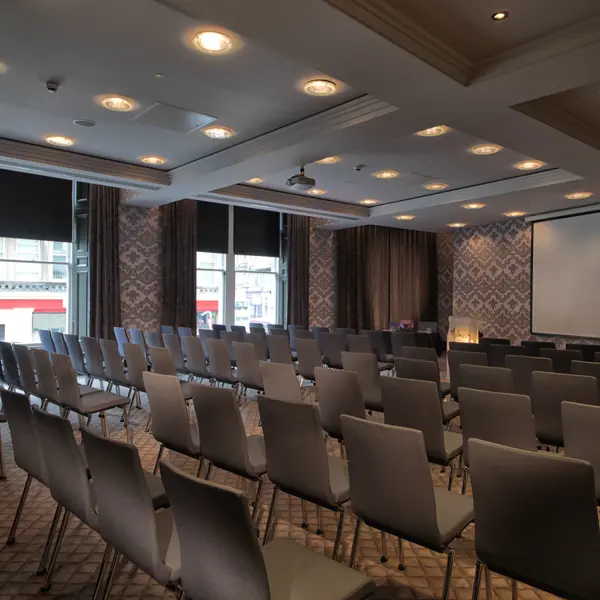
<point>445,265</point>
<point>322,284</point>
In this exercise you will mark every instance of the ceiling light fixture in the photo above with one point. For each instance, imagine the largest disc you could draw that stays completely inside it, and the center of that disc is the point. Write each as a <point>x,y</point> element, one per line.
<point>3,68</point>
<point>118,103</point>
<point>213,42</point>
<point>60,140</point>
<point>153,160</point>
<point>255,180</point>
<point>218,133</point>
<point>317,192</point>
<point>457,225</point>
<point>434,131</point>
<point>404,217</point>
<point>485,149</point>
<point>578,195</point>
<point>320,87</point>
<point>515,213</point>
<point>368,201</point>
<point>500,15</point>
<point>329,160</point>
<point>529,165</point>
<point>386,174</point>
<point>474,205</point>
<point>435,187</point>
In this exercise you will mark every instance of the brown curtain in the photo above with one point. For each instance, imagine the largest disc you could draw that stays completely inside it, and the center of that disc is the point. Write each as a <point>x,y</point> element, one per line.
<point>105,289</point>
<point>298,259</point>
<point>179,222</point>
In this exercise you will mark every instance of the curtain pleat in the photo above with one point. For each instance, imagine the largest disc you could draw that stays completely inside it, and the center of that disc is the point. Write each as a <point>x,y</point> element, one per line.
<point>298,254</point>
<point>179,224</point>
<point>105,289</point>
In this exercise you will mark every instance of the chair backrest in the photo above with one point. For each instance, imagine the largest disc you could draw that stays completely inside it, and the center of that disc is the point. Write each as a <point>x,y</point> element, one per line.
<point>172,343</point>
<point>126,517</point>
<point>26,369</point>
<point>162,361</point>
<point>239,328</point>
<point>492,379</point>
<point>561,359</point>
<point>196,360</point>
<point>205,335</point>
<point>113,365</point>
<point>248,372</point>
<point>401,339</point>
<point>46,340</point>
<point>275,326</point>
<point>64,463</point>
<point>309,357</point>
<point>122,338</point>
<point>170,421</point>
<point>367,373</point>
<point>296,451</point>
<point>75,353</point>
<point>304,334</point>
<point>582,367</point>
<point>548,391</point>
<point>258,328</point>
<point>219,359</point>
<point>167,329</point>
<point>279,381</point>
<point>522,367</point>
<point>533,347</point>
<point>377,343</point>
<point>467,347</point>
<point>279,349</point>
<point>218,329</point>
<point>27,451</point>
<point>60,346</point>
<point>279,331</point>
<point>221,428</point>
<point>359,343</point>
<point>489,341</point>
<point>44,371</point>
<point>496,417</point>
<point>184,332</point>
<point>420,353</point>
<point>423,339</point>
<point>68,388</point>
<point>259,341</point>
<point>332,346</point>
<point>230,337</point>
<point>137,364</point>
<point>153,338</point>
<point>343,333</point>
<point>292,330</point>
<point>93,357</point>
<point>423,370</point>
<point>382,458</point>
<point>9,365</point>
<point>232,568</point>
<point>415,404</point>
<point>588,351</point>
<point>527,505</point>
<point>338,393</point>
<point>457,358</point>
<point>137,337</point>
<point>497,353</point>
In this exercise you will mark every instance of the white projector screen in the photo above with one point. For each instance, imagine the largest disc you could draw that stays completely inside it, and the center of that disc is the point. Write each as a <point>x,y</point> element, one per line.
<point>565,285</point>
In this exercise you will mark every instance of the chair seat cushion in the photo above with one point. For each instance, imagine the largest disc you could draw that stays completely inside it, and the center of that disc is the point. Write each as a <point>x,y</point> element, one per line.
<point>257,454</point>
<point>298,573</point>
<point>84,390</point>
<point>157,491</point>
<point>454,512</point>
<point>385,366</point>
<point>451,409</point>
<point>101,401</point>
<point>453,443</point>
<point>338,478</point>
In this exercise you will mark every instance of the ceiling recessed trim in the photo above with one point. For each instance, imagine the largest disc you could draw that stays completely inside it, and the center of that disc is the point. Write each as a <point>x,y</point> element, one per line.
<point>485,149</point>
<point>385,174</point>
<point>515,213</point>
<point>117,103</point>
<point>434,131</point>
<point>63,141</point>
<point>579,195</point>
<point>329,160</point>
<point>320,87</point>
<point>218,133</point>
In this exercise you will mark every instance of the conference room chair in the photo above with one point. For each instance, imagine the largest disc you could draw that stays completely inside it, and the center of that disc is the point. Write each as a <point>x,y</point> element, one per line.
<point>533,347</point>
<point>172,343</point>
<point>204,335</point>
<point>588,351</point>
<point>94,361</point>
<point>60,346</point>
<point>337,393</point>
<point>196,360</point>
<point>419,353</point>
<point>162,363</point>
<point>46,380</point>
<point>113,367</point>
<point>496,417</point>
<point>260,344</point>
<point>544,502</point>
<point>368,376</point>
<point>166,329</point>
<point>10,368</point>
<point>185,332</point>
<point>171,426</point>
<point>76,356</point>
<point>332,346</point>
<point>422,339</point>
<point>379,345</point>
<point>548,392</point>
<point>489,341</point>
<point>257,328</point>
<point>137,365</point>
<point>497,353</point>
<point>467,347</point>
<point>137,337</point>
<point>491,379</point>
<point>153,339</point>
<point>280,382</point>
<point>230,337</point>
<point>127,517</point>
<point>239,329</point>
<point>456,358</point>
<point>359,343</point>
<point>304,334</point>
<point>344,332</point>
<point>292,331</point>
<point>582,367</point>
<point>233,564</point>
<point>122,338</point>
<point>382,459</point>
<point>298,463</point>
<point>223,440</point>
<point>522,367</point>
<point>26,371</point>
<point>309,357</point>
<point>401,339</point>
<point>271,327</point>
<point>561,359</point>
<point>218,330</point>
<point>248,371</point>
<point>219,362</point>
<point>279,332</point>
<point>46,340</point>
<point>279,349</point>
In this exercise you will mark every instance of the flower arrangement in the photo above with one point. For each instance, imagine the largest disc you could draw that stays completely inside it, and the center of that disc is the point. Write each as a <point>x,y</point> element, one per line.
<point>406,325</point>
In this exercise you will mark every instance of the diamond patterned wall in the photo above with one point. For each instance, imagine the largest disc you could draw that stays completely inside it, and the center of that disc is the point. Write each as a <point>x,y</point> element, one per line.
<point>322,284</point>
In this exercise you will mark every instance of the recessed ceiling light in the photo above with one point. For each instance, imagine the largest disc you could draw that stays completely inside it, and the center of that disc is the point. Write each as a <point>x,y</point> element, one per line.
<point>474,205</point>
<point>118,103</point>
<point>329,160</point>
<point>485,149</point>
<point>320,87</point>
<point>529,165</point>
<point>386,174</point>
<point>3,68</point>
<point>213,42</point>
<point>316,192</point>
<point>500,16</point>
<point>255,180</point>
<point>153,160</point>
<point>457,225</point>
<point>578,195</point>
<point>218,133</point>
<point>60,140</point>
<point>368,201</point>
<point>434,131</point>
<point>404,217</point>
<point>435,187</point>
<point>515,213</point>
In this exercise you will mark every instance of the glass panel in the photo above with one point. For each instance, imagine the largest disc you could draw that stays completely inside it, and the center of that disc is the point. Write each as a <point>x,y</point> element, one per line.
<point>210,289</point>
<point>256,284</point>
<point>264,264</point>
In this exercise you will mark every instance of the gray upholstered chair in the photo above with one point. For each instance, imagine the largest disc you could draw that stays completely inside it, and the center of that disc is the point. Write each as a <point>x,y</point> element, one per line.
<point>419,353</point>
<point>196,360</point>
<point>280,382</point>
<point>332,346</point>
<point>582,367</point>
<point>467,347</point>
<point>298,463</point>
<point>10,368</point>
<point>427,370</point>
<point>223,440</point>
<point>113,366</point>
<point>369,379</point>
<point>137,365</point>
<point>258,328</point>
<point>76,356</point>
<point>230,337</point>
<point>46,340</point>
<point>492,379</point>
<point>46,380</point>
<point>219,362</point>
<point>401,339</point>
<point>497,353</point>
<point>248,371</point>
<point>528,504</point>
<point>416,405</point>
<point>457,358</point>
<point>171,426</point>
<point>167,329</point>
<point>309,357</point>
<point>233,565</point>
<point>137,337</point>
<point>239,329</point>
<point>359,343</point>
<point>587,350</point>
<point>292,330</point>
<point>379,346</point>
<point>279,349</point>
<point>496,417</point>
<point>279,330</point>
<point>561,359</point>
<point>122,338</point>
<point>185,332</point>
<point>205,335</point>
<point>382,459</point>
<point>26,370</point>
<point>172,343</point>
<point>162,363</point>
<point>60,346</point>
<point>218,330</point>
<point>153,339</point>
<point>316,333</point>
<point>486,342</point>
<point>548,391</point>
<point>93,361</point>
<point>259,341</point>
<point>522,367</point>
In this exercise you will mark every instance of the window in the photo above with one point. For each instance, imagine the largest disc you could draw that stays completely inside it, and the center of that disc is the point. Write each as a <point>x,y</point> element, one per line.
<point>34,282</point>
<point>210,289</point>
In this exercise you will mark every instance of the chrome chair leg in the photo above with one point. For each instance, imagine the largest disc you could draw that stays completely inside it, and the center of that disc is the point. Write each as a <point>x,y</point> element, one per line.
<point>304,515</point>
<point>105,559</point>
<point>271,513</point>
<point>13,530</point>
<point>200,463</point>
<point>42,566</point>
<point>61,534</point>
<point>451,478</point>
<point>448,575</point>
<point>488,583</point>
<point>514,586</point>
<point>355,542</point>
<point>384,552</point>
<point>477,581</point>
<point>128,432</point>
<point>208,471</point>
<point>465,480</point>
<point>161,449</point>
<point>257,499</point>
<point>319,520</point>
<point>401,565</point>
<point>104,424</point>
<point>111,575</point>
<point>338,535</point>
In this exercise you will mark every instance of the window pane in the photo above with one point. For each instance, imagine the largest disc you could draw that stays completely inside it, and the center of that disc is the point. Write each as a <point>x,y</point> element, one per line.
<point>210,289</point>
<point>256,290</point>
<point>266,264</point>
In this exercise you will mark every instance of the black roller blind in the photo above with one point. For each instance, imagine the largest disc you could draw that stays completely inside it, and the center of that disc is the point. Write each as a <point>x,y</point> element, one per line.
<point>35,208</point>
<point>213,227</point>
<point>255,232</point>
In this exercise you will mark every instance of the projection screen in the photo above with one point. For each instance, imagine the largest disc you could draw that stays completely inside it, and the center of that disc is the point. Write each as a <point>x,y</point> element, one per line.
<point>565,278</point>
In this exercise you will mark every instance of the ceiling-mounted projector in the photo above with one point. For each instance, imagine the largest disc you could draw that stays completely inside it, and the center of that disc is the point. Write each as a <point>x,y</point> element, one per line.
<point>300,181</point>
